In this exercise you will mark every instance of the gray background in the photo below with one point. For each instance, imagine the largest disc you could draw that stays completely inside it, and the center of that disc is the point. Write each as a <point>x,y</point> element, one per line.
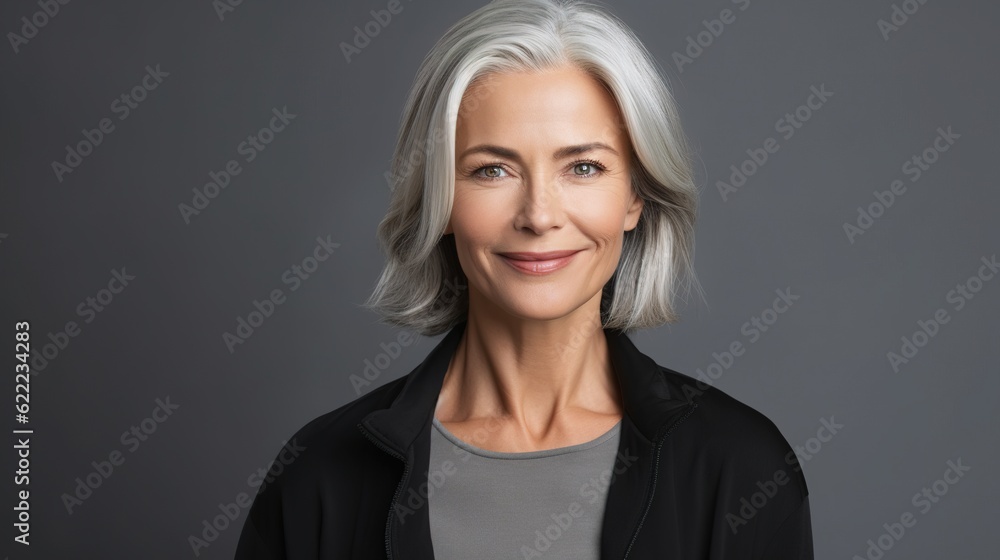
<point>323,176</point>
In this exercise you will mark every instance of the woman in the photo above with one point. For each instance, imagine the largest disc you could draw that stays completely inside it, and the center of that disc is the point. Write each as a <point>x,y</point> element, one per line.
<point>541,167</point>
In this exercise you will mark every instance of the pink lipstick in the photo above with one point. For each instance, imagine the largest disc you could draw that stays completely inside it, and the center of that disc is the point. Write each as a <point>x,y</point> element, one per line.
<point>539,263</point>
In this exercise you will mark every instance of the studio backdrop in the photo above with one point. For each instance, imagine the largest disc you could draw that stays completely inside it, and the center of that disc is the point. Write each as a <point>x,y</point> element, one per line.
<point>190,192</point>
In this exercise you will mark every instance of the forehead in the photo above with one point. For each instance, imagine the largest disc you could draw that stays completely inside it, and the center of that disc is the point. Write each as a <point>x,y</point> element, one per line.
<point>563,105</point>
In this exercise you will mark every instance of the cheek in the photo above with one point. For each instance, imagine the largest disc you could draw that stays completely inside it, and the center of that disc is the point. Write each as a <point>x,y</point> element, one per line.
<point>475,219</point>
<point>601,216</point>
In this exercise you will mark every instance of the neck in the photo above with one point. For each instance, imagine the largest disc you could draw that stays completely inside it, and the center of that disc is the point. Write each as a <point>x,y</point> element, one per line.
<point>530,372</point>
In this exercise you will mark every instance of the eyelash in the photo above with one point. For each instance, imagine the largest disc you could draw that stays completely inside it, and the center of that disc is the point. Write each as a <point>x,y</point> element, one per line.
<point>601,169</point>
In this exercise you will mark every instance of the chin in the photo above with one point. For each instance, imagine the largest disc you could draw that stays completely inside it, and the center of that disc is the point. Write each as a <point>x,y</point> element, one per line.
<point>541,305</point>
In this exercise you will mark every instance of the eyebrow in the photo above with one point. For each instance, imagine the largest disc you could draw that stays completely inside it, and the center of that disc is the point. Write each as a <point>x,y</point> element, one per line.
<point>561,153</point>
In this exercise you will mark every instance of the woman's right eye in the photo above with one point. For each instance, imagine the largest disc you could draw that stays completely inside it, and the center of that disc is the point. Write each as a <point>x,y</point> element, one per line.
<point>490,172</point>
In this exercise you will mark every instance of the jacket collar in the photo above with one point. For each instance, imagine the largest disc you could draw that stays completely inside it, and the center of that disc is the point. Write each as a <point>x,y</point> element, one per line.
<point>652,402</point>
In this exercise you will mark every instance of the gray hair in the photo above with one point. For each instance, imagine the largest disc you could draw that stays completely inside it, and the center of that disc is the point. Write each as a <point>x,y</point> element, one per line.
<point>417,287</point>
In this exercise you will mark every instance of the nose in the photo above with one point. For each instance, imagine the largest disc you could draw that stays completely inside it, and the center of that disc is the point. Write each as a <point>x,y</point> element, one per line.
<point>541,206</point>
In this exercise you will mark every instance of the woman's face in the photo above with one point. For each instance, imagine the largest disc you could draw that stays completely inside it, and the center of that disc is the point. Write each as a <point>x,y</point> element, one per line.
<point>541,166</point>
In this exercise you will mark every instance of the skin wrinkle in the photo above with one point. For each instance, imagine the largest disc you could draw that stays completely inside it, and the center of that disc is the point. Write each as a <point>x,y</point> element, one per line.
<point>533,364</point>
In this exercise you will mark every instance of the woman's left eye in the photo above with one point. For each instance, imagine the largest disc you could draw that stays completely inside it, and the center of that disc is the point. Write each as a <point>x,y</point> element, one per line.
<point>589,168</point>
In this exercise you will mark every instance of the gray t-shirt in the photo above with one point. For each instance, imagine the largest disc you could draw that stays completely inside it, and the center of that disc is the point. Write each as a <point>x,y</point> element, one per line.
<point>539,504</point>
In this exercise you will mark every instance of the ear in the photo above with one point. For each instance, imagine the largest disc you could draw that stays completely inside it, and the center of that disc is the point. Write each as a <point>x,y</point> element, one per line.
<point>634,211</point>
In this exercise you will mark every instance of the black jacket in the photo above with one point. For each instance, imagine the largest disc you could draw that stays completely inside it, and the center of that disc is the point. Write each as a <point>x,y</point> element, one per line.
<point>699,475</point>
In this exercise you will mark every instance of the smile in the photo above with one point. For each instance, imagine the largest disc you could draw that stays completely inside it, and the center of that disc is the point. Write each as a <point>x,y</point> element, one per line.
<point>538,263</point>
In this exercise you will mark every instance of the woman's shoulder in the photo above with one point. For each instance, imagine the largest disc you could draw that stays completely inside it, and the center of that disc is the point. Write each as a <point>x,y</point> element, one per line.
<point>729,454</point>
<point>318,469</point>
<point>733,435</point>
<point>339,426</point>
<point>331,444</point>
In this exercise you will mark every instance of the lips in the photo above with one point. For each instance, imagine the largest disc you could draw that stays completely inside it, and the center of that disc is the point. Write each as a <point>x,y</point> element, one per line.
<point>539,263</point>
<point>546,256</point>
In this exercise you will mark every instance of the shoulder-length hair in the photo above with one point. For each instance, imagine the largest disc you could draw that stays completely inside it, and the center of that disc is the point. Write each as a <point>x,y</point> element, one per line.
<point>420,286</point>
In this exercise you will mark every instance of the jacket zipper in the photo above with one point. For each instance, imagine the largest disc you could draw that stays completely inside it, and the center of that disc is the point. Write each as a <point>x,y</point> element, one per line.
<point>656,470</point>
<point>399,487</point>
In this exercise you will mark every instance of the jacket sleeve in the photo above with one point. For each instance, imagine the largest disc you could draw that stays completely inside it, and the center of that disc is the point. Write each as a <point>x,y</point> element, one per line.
<point>251,545</point>
<point>793,538</point>
<point>263,535</point>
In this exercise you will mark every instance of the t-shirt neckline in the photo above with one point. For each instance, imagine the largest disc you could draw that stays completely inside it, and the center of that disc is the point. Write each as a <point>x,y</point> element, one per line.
<point>537,454</point>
